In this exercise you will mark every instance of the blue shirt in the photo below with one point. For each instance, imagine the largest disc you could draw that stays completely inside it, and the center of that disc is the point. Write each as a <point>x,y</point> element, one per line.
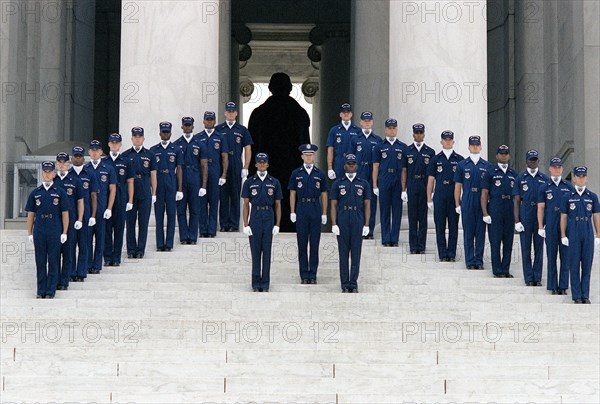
<point>215,145</point>
<point>416,163</point>
<point>262,192</point>
<point>307,186</point>
<point>442,169</point>
<point>192,152</point>
<point>527,187</point>
<point>48,207</point>
<point>237,138</point>
<point>363,147</point>
<point>141,164</point>
<point>89,183</point>
<point>73,187</point>
<point>350,196</point>
<point>551,196</point>
<point>167,159</point>
<point>500,185</point>
<point>579,210</point>
<point>123,172</point>
<point>391,161</point>
<point>470,175</point>
<point>339,138</point>
<point>106,176</point>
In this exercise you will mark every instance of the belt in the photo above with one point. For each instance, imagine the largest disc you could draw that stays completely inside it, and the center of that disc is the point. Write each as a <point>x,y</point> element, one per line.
<point>138,176</point>
<point>391,170</point>
<point>44,216</point>
<point>364,163</point>
<point>581,218</point>
<point>418,177</point>
<point>506,196</point>
<point>474,189</point>
<point>556,209</point>
<point>209,160</point>
<point>165,171</point>
<point>446,182</point>
<point>308,200</point>
<point>533,203</point>
<point>191,167</point>
<point>347,207</point>
<point>230,153</point>
<point>262,207</point>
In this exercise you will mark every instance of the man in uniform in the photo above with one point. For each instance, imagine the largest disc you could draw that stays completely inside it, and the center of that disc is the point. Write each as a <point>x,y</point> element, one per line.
<point>169,187</point>
<point>577,212</point>
<point>91,188</point>
<point>350,210</point>
<point>263,192</point>
<point>238,140</point>
<point>441,179</point>
<point>338,142</point>
<point>414,180</point>
<point>74,189</point>
<point>115,226</point>
<point>497,209</point>
<point>362,147</point>
<point>308,197</point>
<point>525,205</point>
<point>218,162</point>
<point>388,162</point>
<point>548,214</point>
<point>143,169</point>
<point>195,175</point>
<point>467,178</point>
<point>47,226</point>
<point>107,180</point>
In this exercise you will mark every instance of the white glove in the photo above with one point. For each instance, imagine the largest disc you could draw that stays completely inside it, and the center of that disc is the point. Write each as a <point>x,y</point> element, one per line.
<point>404,196</point>
<point>487,219</point>
<point>222,181</point>
<point>63,238</point>
<point>107,214</point>
<point>202,192</point>
<point>78,225</point>
<point>331,174</point>
<point>458,210</point>
<point>335,230</point>
<point>30,238</point>
<point>153,199</point>
<point>430,205</point>
<point>376,191</point>
<point>323,219</point>
<point>247,231</point>
<point>565,241</point>
<point>128,207</point>
<point>365,231</point>
<point>275,230</point>
<point>92,222</point>
<point>596,241</point>
<point>519,227</point>
<point>179,196</point>
<point>293,217</point>
<point>244,173</point>
<point>542,233</point>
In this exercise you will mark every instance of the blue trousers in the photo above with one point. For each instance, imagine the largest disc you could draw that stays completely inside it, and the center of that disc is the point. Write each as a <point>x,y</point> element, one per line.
<point>556,279</point>
<point>96,240</point>
<point>209,205</point>
<point>349,250</point>
<point>67,252</point>
<point>261,241</point>
<point>190,204</point>
<point>531,272</point>
<point>417,218</point>
<point>140,214</point>
<point>82,236</point>
<point>115,229</point>
<point>165,202</point>
<point>308,232</point>
<point>47,259</point>
<point>473,231</point>
<point>501,235</point>
<point>581,256</point>
<point>390,212</point>
<point>445,216</point>
<point>229,204</point>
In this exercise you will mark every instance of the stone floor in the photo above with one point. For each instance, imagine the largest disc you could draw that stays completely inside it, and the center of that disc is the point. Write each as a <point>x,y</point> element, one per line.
<point>184,327</point>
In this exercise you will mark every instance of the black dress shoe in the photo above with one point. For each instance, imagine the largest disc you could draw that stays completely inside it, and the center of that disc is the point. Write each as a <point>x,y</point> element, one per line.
<point>414,252</point>
<point>537,283</point>
<point>265,289</point>
<point>498,275</point>
<point>578,301</point>
<point>80,279</point>
<point>386,244</point>
<point>39,296</point>
<point>49,297</point>
<point>116,264</point>
<point>344,290</point>
<point>563,292</point>
<point>260,289</point>
<point>192,242</point>
<point>529,284</point>
<point>508,276</point>
<point>139,256</point>
<point>555,292</point>
<point>130,256</point>
<point>93,271</point>
<point>354,290</point>
<point>211,236</point>
<point>167,249</point>
<point>451,259</point>
<point>586,301</point>
<point>470,266</point>
<point>59,287</point>
<point>73,279</point>
<point>304,281</point>
<point>365,237</point>
<point>313,281</point>
<point>255,289</point>
<point>108,264</point>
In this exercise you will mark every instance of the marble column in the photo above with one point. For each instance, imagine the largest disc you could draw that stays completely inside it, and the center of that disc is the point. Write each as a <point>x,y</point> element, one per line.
<point>370,61</point>
<point>438,69</point>
<point>169,63</point>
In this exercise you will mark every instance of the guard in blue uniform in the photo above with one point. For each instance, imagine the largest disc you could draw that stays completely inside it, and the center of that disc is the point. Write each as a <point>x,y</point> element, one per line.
<point>362,147</point>
<point>308,203</point>
<point>265,194</point>
<point>47,225</point>
<point>238,139</point>
<point>579,225</point>
<point>441,179</point>
<point>467,178</point>
<point>350,210</point>
<point>525,195</point>
<point>169,186</point>
<point>115,226</point>
<point>218,162</point>
<point>548,214</point>
<point>497,208</point>
<point>414,183</point>
<point>107,180</point>
<point>338,142</point>
<point>90,198</point>
<point>143,169</point>
<point>71,184</point>
<point>388,162</point>
<point>195,176</point>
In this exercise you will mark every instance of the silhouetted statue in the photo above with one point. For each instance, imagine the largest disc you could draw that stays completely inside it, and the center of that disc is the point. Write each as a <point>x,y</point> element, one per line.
<point>278,127</point>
